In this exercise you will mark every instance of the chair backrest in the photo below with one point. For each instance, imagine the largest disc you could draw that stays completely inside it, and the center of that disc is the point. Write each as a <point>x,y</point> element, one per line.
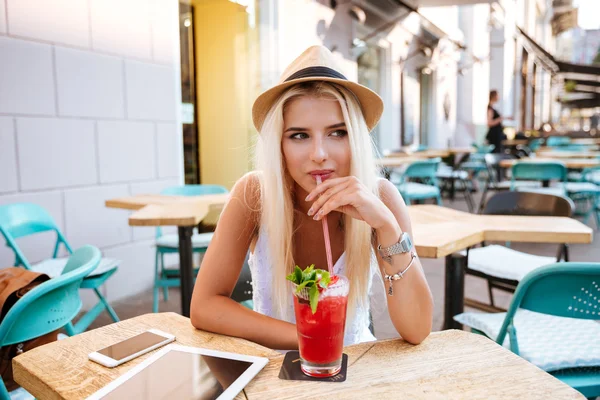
<point>557,141</point>
<point>539,171</point>
<point>535,144</point>
<point>52,304</point>
<point>529,203</point>
<point>24,219</point>
<point>423,169</point>
<point>483,149</point>
<point>563,289</point>
<point>572,147</point>
<point>194,190</point>
<point>591,174</point>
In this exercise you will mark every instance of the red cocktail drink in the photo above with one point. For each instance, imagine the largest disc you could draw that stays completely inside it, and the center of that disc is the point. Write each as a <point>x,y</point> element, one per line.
<point>321,335</point>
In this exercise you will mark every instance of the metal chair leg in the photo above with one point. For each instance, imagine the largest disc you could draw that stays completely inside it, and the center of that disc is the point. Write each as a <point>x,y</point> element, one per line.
<point>491,294</point>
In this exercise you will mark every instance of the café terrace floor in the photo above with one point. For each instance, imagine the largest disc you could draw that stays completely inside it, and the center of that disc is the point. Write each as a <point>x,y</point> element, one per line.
<point>434,270</point>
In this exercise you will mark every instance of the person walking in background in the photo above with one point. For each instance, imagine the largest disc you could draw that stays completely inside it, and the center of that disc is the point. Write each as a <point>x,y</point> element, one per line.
<point>495,133</point>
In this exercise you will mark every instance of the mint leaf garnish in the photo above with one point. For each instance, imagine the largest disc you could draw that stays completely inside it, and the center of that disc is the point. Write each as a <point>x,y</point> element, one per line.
<point>313,279</point>
<point>298,273</point>
<point>295,276</point>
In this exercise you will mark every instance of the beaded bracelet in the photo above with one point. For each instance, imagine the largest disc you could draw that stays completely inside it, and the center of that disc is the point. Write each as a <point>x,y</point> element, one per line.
<point>395,277</point>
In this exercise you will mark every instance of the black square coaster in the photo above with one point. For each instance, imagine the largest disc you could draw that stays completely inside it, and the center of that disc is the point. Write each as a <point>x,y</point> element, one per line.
<point>290,370</point>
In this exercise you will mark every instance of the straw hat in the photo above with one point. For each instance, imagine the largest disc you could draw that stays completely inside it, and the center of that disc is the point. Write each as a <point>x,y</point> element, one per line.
<point>317,64</point>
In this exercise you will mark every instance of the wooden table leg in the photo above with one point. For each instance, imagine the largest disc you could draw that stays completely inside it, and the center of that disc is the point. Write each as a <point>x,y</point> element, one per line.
<point>455,289</point>
<point>186,267</point>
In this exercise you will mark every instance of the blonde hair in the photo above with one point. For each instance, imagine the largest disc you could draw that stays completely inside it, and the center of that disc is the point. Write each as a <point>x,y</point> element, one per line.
<point>277,186</point>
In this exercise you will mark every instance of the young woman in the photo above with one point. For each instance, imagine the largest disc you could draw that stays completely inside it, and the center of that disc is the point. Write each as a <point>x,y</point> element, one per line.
<point>315,122</point>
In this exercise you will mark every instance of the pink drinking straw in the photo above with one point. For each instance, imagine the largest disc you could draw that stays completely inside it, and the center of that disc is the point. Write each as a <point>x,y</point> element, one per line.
<point>326,235</point>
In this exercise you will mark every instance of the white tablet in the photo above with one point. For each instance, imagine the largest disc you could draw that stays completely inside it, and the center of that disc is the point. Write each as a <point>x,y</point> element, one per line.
<point>181,372</point>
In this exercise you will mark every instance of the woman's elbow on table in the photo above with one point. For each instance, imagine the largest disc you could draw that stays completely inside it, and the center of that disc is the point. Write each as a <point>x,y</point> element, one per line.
<point>198,315</point>
<point>417,336</point>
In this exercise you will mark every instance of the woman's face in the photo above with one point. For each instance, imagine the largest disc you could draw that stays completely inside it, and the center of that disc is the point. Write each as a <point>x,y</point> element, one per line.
<point>315,141</point>
<point>494,98</point>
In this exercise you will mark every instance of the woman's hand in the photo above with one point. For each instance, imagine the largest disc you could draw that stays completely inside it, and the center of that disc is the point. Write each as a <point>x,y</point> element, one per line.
<point>349,196</point>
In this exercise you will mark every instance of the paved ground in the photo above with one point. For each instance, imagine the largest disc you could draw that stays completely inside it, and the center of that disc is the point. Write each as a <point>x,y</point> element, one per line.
<point>434,270</point>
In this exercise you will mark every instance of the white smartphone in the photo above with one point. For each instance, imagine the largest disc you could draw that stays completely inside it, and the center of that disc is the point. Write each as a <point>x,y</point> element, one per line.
<point>131,348</point>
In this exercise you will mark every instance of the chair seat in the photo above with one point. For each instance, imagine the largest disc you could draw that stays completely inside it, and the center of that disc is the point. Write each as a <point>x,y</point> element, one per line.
<point>502,262</point>
<point>414,190</point>
<point>551,343</point>
<point>554,190</point>
<point>199,240</point>
<point>506,185</point>
<point>473,165</point>
<point>53,267</point>
<point>20,394</point>
<point>574,176</point>
<point>594,177</point>
<point>452,174</point>
<point>582,187</point>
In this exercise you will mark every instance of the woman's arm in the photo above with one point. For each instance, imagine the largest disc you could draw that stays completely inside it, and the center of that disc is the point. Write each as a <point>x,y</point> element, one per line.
<point>212,309</point>
<point>490,119</point>
<point>411,306</point>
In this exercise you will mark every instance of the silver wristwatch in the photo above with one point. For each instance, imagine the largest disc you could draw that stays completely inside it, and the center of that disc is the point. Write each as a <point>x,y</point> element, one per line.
<point>403,245</point>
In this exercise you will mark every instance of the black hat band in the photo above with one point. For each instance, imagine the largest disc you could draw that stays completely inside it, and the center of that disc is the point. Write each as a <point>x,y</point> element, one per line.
<point>317,72</point>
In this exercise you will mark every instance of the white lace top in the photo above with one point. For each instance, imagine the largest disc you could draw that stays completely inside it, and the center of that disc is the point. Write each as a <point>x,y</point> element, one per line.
<point>357,329</point>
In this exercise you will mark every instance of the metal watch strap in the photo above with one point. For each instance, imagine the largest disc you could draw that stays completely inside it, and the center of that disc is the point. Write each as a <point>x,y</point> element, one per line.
<point>403,245</point>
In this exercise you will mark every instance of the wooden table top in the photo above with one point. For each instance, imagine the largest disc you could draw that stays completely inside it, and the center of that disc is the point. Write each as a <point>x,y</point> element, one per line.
<point>62,369</point>
<point>432,153</point>
<point>574,163</point>
<point>585,141</point>
<point>515,142</point>
<point>450,364</point>
<point>440,231</point>
<point>547,153</point>
<point>163,210</point>
<point>398,161</point>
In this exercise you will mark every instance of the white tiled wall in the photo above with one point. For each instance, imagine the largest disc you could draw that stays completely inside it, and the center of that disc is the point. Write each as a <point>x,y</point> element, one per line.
<point>167,146</point>
<point>89,221</point>
<point>136,142</point>
<point>26,77</point>
<point>8,158</point>
<point>150,89</point>
<point>55,153</point>
<point>49,21</point>
<point>129,278</point>
<point>89,84</point>
<point>88,111</point>
<point>122,27</point>
<point>2,18</point>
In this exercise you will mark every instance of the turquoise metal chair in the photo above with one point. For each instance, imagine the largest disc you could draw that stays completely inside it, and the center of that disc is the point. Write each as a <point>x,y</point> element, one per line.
<point>50,305</point>
<point>425,171</point>
<point>543,172</point>
<point>554,141</point>
<point>586,193</point>
<point>167,277</point>
<point>475,163</point>
<point>573,147</point>
<point>25,219</point>
<point>559,290</point>
<point>535,144</point>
